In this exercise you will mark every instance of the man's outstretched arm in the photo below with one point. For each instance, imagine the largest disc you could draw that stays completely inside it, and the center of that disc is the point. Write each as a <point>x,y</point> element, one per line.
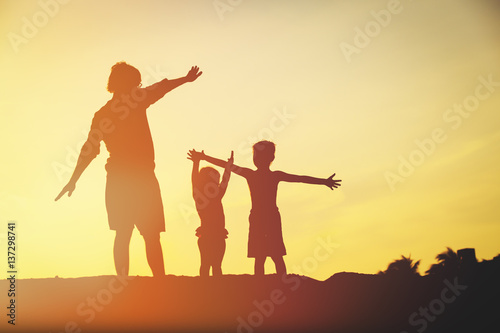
<point>89,151</point>
<point>83,162</point>
<point>159,89</point>
<point>330,182</point>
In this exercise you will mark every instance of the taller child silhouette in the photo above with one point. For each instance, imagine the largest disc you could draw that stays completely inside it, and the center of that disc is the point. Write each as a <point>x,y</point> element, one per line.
<point>132,191</point>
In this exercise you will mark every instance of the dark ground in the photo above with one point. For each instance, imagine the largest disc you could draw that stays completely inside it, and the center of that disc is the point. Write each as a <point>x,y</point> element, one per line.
<point>346,302</point>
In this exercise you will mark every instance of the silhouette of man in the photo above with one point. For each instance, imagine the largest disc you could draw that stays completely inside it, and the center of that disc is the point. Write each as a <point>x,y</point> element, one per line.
<point>132,191</point>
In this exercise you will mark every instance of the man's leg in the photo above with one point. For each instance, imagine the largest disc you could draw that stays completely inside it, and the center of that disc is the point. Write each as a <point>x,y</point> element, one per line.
<point>121,251</point>
<point>154,254</point>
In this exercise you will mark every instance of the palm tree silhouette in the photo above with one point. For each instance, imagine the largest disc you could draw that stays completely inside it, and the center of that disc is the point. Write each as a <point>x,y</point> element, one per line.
<point>447,265</point>
<point>404,266</point>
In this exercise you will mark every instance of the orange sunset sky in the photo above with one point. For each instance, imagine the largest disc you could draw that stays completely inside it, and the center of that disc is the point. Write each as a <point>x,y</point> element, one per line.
<point>400,98</point>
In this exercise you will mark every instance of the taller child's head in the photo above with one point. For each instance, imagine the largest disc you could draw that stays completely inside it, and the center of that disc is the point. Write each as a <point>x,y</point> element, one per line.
<point>263,153</point>
<point>123,78</point>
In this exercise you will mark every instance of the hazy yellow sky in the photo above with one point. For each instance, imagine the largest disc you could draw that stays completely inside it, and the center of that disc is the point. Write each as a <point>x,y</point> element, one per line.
<point>399,98</point>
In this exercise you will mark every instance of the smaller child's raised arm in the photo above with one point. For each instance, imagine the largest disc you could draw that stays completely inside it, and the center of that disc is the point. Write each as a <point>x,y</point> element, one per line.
<point>195,172</point>
<point>226,175</point>
<point>330,182</point>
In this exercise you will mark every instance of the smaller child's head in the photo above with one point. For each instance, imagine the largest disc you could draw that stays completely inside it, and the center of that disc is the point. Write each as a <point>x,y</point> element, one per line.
<point>263,153</point>
<point>209,175</point>
<point>123,78</point>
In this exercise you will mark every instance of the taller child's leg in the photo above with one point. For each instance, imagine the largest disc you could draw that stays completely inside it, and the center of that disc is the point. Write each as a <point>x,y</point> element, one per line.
<point>154,254</point>
<point>280,265</point>
<point>259,265</point>
<point>121,251</point>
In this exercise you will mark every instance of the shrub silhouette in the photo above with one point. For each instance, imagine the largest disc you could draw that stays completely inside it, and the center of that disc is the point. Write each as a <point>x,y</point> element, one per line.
<point>447,265</point>
<point>402,267</point>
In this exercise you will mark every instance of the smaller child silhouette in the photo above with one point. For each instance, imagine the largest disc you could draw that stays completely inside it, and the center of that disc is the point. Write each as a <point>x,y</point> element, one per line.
<point>265,238</point>
<point>207,194</point>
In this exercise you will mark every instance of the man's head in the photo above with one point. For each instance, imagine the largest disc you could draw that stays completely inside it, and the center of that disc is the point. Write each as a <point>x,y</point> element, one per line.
<point>123,78</point>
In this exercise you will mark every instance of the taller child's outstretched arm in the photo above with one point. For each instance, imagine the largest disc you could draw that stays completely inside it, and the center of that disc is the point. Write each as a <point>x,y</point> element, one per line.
<point>221,163</point>
<point>330,182</point>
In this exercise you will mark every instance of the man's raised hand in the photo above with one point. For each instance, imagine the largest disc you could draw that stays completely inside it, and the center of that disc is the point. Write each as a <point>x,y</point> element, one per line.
<point>193,74</point>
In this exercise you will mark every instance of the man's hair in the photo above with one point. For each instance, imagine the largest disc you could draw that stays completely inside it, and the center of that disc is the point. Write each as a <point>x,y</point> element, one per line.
<point>123,78</point>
